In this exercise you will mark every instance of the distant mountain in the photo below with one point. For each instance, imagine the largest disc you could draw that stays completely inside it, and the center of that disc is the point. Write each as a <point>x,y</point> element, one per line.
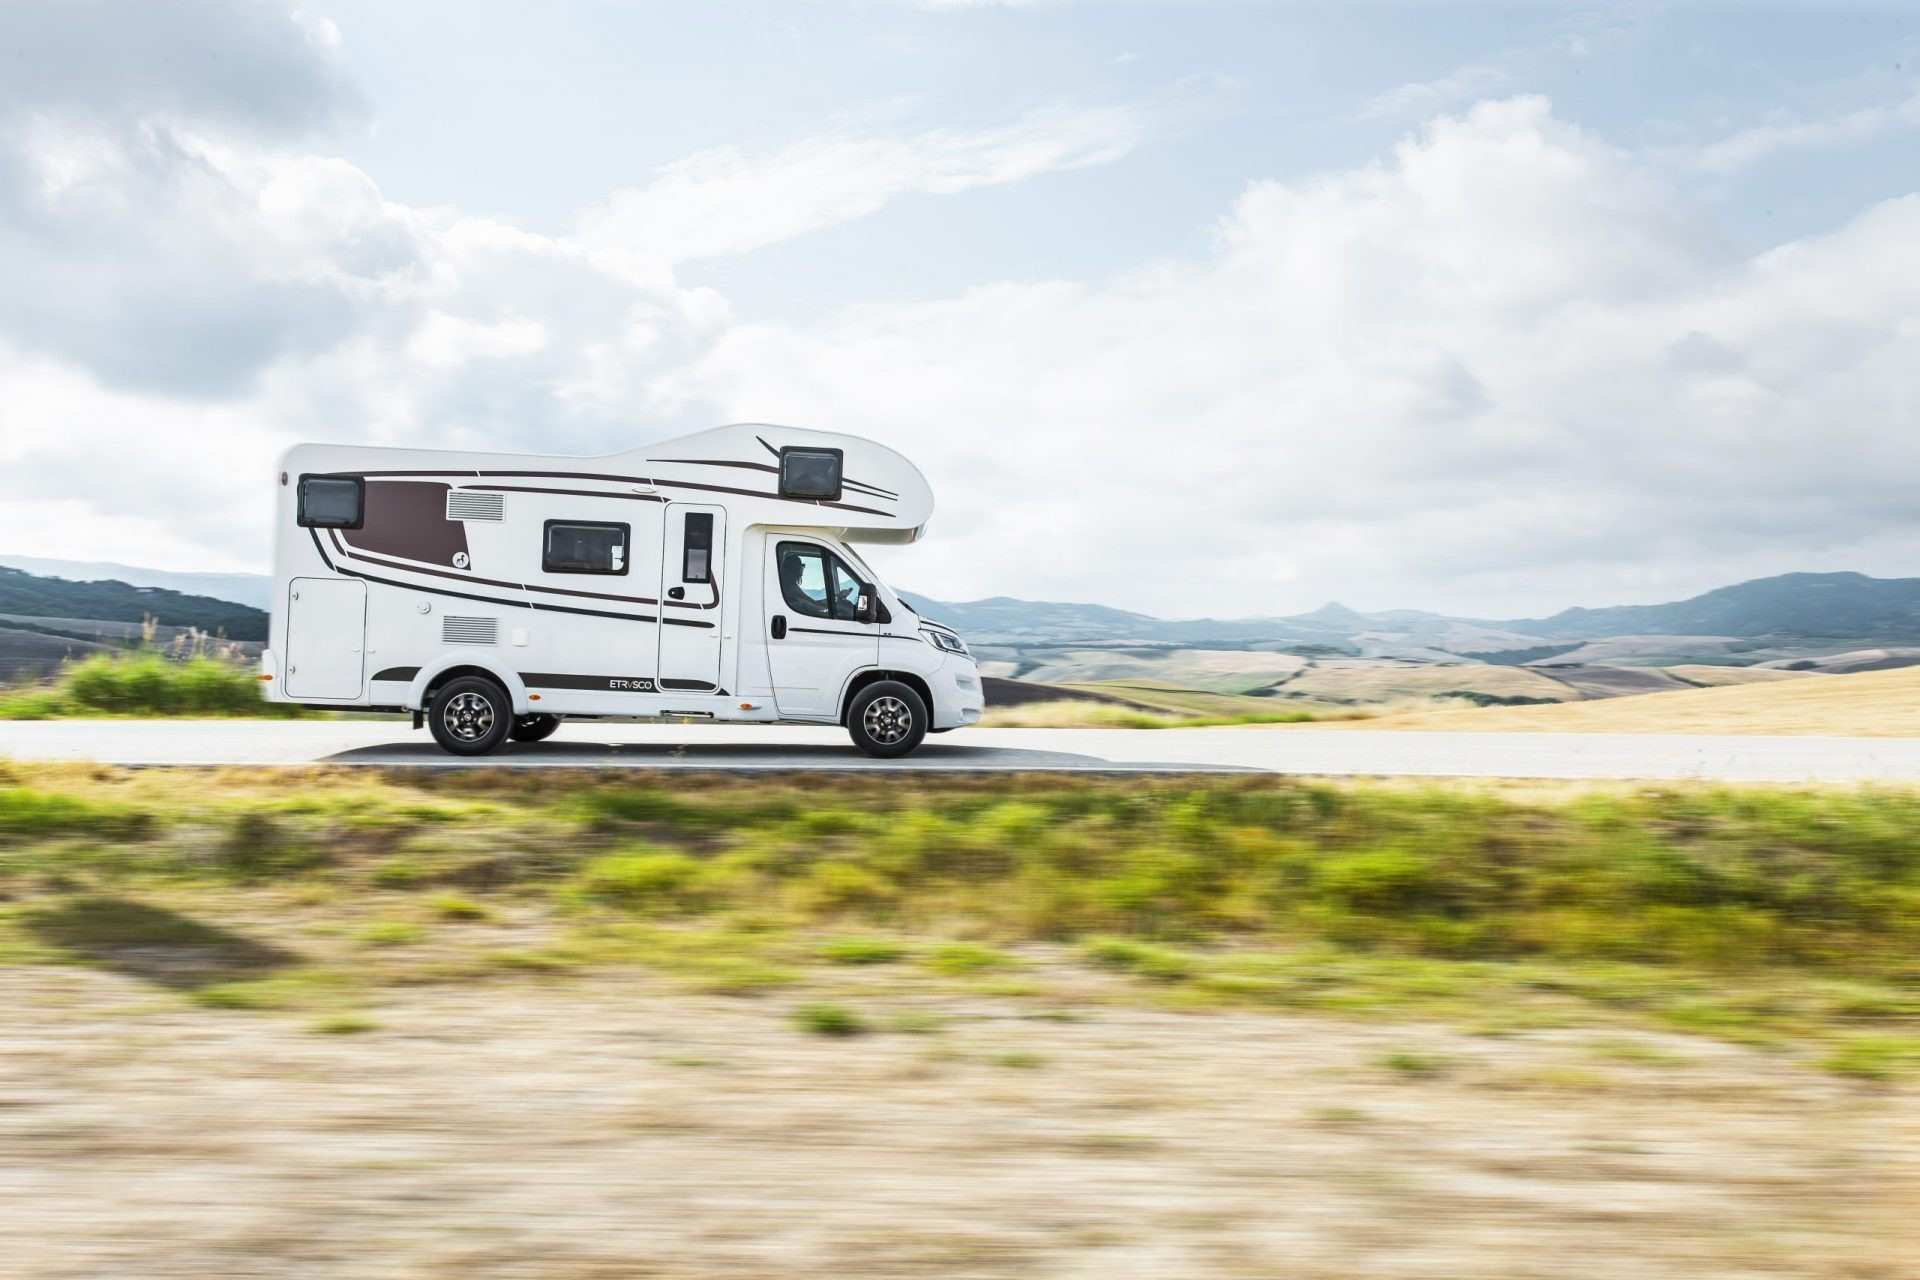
<point>31,596</point>
<point>250,589</point>
<point>1811,605</point>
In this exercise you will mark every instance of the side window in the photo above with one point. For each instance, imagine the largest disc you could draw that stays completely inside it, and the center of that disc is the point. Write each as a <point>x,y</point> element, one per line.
<point>803,579</point>
<point>332,502</point>
<point>582,546</point>
<point>696,560</point>
<point>846,592</point>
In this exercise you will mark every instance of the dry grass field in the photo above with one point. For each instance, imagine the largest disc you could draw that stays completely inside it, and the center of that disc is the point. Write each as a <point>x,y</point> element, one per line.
<point>1715,677</point>
<point>433,1025</point>
<point>1873,704</point>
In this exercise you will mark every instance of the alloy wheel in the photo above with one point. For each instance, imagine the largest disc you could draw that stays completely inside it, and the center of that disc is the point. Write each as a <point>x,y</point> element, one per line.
<point>887,720</point>
<point>468,716</point>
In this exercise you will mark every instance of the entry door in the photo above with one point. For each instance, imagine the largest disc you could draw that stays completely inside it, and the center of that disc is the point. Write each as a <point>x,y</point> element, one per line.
<point>690,583</point>
<point>815,639</point>
<point>326,636</point>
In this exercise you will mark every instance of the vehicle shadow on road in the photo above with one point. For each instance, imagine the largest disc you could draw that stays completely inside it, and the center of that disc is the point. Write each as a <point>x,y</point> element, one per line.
<point>719,755</point>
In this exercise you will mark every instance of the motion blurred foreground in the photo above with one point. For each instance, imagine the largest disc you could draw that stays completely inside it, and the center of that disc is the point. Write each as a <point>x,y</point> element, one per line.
<point>486,1025</point>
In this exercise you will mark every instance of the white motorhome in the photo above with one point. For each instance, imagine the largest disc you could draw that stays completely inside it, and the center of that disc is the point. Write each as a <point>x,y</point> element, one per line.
<point>709,578</point>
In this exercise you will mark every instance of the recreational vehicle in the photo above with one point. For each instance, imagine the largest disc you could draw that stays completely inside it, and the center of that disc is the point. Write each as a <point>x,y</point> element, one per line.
<point>709,578</point>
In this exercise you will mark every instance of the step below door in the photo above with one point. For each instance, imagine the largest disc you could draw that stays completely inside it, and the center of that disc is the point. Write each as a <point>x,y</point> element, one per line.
<point>326,637</point>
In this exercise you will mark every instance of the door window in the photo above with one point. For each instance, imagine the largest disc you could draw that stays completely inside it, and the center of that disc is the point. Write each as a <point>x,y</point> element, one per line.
<point>818,583</point>
<point>803,579</point>
<point>696,555</point>
<point>846,592</point>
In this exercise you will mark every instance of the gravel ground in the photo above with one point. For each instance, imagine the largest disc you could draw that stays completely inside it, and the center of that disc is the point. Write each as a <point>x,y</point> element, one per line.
<point>594,1128</point>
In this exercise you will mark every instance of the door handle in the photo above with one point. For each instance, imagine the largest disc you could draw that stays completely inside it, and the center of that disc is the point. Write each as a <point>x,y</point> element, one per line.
<point>779,627</point>
<point>676,593</point>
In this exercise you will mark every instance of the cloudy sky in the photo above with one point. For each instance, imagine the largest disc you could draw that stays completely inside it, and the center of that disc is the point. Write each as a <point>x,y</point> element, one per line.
<point>1191,308</point>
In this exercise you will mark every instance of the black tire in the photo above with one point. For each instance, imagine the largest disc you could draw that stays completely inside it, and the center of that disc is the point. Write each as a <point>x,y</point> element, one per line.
<point>887,719</point>
<point>470,716</point>
<point>533,728</point>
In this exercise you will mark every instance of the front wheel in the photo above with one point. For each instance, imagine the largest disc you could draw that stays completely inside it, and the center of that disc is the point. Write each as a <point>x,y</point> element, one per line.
<point>534,728</point>
<point>470,716</point>
<point>887,719</point>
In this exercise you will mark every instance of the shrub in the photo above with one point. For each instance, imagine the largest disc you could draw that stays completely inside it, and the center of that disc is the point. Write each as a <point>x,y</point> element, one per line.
<point>451,906</point>
<point>863,951</point>
<point>148,684</point>
<point>829,1020</point>
<point>25,811</point>
<point>1415,1066</point>
<point>1875,1057</point>
<point>966,957</point>
<point>1163,964</point>
<point>650,882</point>
<point>391,933</point>
<point>259,846</point>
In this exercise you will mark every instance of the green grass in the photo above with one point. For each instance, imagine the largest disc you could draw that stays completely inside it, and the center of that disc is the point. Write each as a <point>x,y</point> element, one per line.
<point>144,684</point>
<point>1875,1057</point>
<point>391,933</point>
<point>863,951</point>
<point>956,958</point>
<point>1780,917</point>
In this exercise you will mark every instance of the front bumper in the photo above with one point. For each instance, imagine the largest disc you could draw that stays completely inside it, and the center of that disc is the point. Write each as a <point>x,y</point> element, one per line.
<point>958,696</point>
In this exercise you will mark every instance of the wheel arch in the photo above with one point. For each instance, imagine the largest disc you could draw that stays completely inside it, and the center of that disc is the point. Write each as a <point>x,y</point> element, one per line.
<point>452,667</point>
<point>872,675</point>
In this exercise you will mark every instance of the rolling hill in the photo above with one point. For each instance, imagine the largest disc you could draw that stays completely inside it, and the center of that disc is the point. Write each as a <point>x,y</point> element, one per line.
<point>250,589</point>
<point>1824,605</point>
<point>27,595</point>
<point>1795,606</point>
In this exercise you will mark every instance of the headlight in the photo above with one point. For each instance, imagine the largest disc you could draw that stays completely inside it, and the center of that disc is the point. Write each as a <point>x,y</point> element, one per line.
<point>941,640</point>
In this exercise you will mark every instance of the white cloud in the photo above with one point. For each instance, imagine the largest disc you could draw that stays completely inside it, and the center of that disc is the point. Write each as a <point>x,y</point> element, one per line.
<point>727,201</point>
<point>1424,97</point>
<point>1506,367</point>
<point>1748,147</point>
<point>1504,370</point>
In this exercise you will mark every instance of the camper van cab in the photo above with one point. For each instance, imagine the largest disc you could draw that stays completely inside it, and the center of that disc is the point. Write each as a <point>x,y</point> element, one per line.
<point>716,577</point>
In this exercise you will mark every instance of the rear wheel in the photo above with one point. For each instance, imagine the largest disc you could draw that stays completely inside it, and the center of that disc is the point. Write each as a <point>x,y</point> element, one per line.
<point>470,716</point>
<point>887,719</point>
<point>533,728</point>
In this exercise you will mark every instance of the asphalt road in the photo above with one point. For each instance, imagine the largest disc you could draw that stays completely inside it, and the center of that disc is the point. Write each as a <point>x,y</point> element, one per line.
<point>1298,750</point>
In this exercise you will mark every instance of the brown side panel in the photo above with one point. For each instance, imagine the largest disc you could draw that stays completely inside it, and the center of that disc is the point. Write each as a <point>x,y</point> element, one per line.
<point>409,519</point>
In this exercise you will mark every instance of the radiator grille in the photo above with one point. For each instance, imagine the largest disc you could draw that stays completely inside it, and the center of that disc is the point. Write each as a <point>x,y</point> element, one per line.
<point>465,504</point>
<point>456,630</point>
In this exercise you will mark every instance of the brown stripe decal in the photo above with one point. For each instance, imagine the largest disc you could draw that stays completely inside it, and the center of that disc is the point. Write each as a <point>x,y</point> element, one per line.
<point>354,554</point>
<point>512,604</point>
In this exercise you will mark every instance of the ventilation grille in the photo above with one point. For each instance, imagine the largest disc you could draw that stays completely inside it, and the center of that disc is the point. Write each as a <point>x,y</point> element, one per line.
<point>465,504</point>
<point>455,630</point>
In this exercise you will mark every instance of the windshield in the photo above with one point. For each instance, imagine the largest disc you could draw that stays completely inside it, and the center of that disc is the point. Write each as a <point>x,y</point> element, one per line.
<point>861,566</point>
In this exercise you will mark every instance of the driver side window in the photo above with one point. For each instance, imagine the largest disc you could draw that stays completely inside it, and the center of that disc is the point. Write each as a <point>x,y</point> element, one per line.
<point>818,584</point>
<point>846,593</point>
<point>803,579</point>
